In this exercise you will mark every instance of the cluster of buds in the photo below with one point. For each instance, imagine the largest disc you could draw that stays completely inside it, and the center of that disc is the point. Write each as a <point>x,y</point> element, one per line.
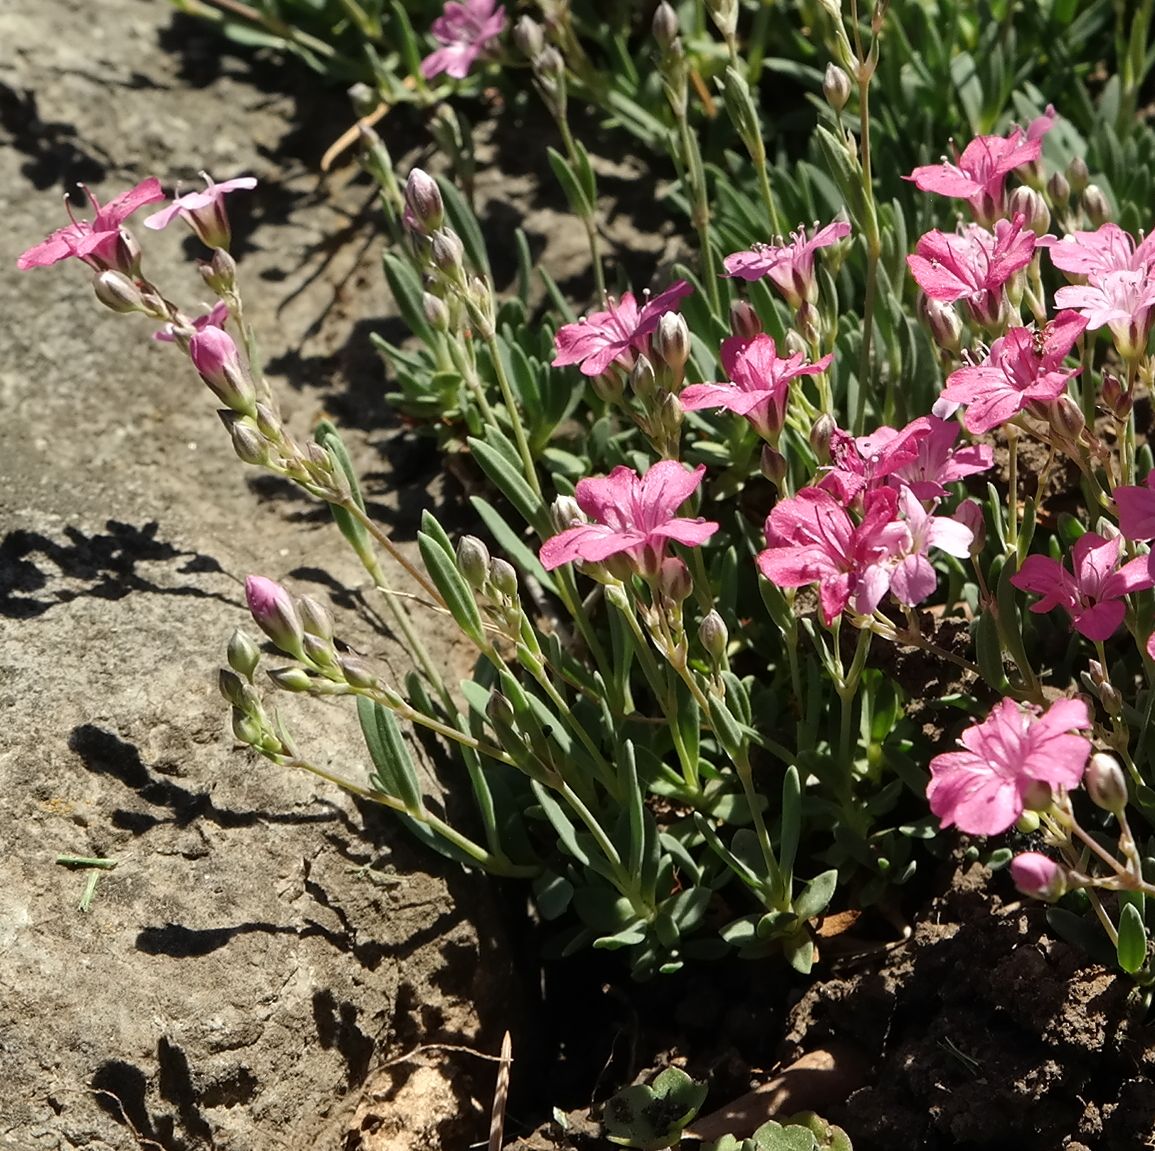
<point>494,580</point>
<point>672,61</point>
<point>547,64</point>
<point>252,724</point>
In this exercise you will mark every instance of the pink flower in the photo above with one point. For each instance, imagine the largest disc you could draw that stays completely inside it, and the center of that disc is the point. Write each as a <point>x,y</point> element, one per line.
<point>789,266</point>
<point>981,789</point>
<point>936,461</point>
<point>215,356</point>
<point>813,540</point>
<point>599,340</point>
<point>1038,876</point>
<point>973,265</point>
<point>914,578</point>
<point>1023,365</point>
<point>1136,507</point>
<point>99,242</point>
<point>1107,249</point>
<point>204,212</point>
<point>981,172</point>
<point>861,464</point>
<point>761,383</point>
<point>464,31</point>
<point>1092,597</point>
<point>216,317</point>
<point>634,515</point>
<point>1121,300</point>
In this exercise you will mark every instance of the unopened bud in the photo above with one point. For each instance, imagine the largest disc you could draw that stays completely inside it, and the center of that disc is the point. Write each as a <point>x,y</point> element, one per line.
<point>672,341</point>
<point>423,200</point>
<point>674,579</point>
<point>500,711</point>
<point>549,64</point>
<point>269,422</point>
<point>528,37</point>
<point>1059,190</point>
<point>1067,419</point>
<point>724,13</point>
<point>1111,699</point>
<point>247,728</point>
<point>237,691</point>
<point>943,322</point>
<point>1116,399</point>
<point>1096,205</point>
<point>821,433</point>
<point>1028,823</point>
<point>364,99</point>
<point>473,561</point>
<point>1078,175</point>
<point>1032,205</point>
<point>713,636</point>
<point>243,654</point>
<point>1105,782</point>
<point>357,672</point>
<point>773,464</point>
<point>215,357</point>
<point>275,613</point>
<point>116,291</point>
<point>665,26</point>
<point>251,447</point>
<point>744,320</point>
<point>436,312</point>
<point>642,378</point>
<point>294,679</point>
<point>836,87</point>
<point>503,577</point>
<point>971,515</point>
<point>565,513</point>
<point>315,617</point>
<point>220,273</point>
<point>1038,876</point>
<point>448,253</point>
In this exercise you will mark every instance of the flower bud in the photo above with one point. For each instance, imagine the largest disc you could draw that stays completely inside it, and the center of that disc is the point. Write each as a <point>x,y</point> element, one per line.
<point>971,515</point>
<point>275,614</point>
<point>744,320</point>
<point>436,312</point>
<point>215,357</point>
<point>642,378</point>
<point>1067,419</point>
<point>1078,175</point>
<point>220,273</point>
<point>549,64</point>
<point>243,654</point>
<point>1038,876</point>
<point>665,26</point>
<point>724,13</point>
<point>1105,783</point>
<point>1096,205</point>
<point>292,679</point>
<point>500,711</point>
<point>528,37</point>
<point>1037,796</point>
<point>503,577</point>
<point>318,650</point>
<point>1058,190</point>
<point>1032,205</point>
<point>237,691</point>
<point>713,636</point>
<point>363,98</point>
<point>674,579</point>
<point>836,87</point>
<point>423,201</point>
<point>448,254</point>
<point>1028,823</point>
<point>251,447</point>
<point>943,322</point>
<point>473,561</point>
<point>821,433</point>
<point>672,341</point>
<point>773,464</point>
<point>356,671</point>
<point>565,513</point>
<point>315,617</point>
<point>117,292</point>
<point>247,728</point>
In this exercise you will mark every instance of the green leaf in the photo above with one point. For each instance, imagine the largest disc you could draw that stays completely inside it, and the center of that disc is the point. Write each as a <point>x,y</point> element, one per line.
<point>465,224</point>
<point>352,529</point>
<point>791,826</point>
<point>570,184</point>
<point>458,596</point>
<point>1131,949</point>
<point>652,1117</point>
<point>407,291</point>
<point>817,895</point>
<point>396,775</point>
<point>566,832</point>
<point>512,485</point>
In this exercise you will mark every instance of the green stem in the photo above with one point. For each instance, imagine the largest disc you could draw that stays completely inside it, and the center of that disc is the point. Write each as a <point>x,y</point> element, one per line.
<point>514,415</point>
<point>588,220</point>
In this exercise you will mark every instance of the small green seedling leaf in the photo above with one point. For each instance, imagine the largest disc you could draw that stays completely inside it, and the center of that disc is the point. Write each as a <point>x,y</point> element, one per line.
<point>654,1116</point>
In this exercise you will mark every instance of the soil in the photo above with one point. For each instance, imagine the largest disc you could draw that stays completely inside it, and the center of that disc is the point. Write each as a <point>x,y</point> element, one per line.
<point>271,964</point>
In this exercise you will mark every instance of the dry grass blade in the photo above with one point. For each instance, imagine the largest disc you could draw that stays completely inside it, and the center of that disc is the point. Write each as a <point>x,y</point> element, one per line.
<point>500,1094</point>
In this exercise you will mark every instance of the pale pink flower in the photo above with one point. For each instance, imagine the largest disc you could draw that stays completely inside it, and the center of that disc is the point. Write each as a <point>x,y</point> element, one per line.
<point>204,211</point>
<point>1023,365</point>
<point>633,515</point>
<point>789,266</point>
<point>464,31</point>
<point>1093,595</point>
<point>1136,506</point>
<point>973,265</point>
<point>1120,300</point>
<point>981,172</point>
<point>99,242</point>
<point>1038,876</point>
<point>813,540</point>
<point>761,383</point>
<point>914,578</point>
<point>216,317</point>
<point>614,335</point>
<point>981,789</point>
<point>1107,249</point>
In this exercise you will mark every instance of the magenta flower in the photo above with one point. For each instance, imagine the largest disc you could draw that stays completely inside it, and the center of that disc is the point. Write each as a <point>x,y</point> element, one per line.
<point>1023,365</point>
<point>204,212</point>
<point>1038,876</point>
<point>1136,507</point>
<point>99,242</point>
<point>981,172</point>
<point>1120,300</point>
<point>863,463</point>
<point>936,461</point>
<point>634,516</point>
<point>789,266</point>
<point>1093,596</point>
<point>464,31</point>
<point>914,578</point>
<point>982,789</point>
<point>813,540</point>
<point>1107,249</point>
<point>614,335</point>
<point>761,383</point>
<point>973,265</point>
